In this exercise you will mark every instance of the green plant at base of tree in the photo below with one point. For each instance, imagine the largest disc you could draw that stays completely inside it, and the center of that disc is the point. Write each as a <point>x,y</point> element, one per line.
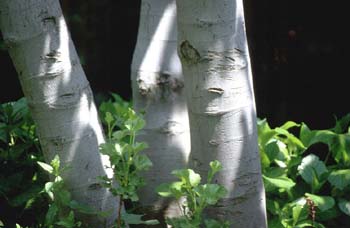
<point>197,197</point>
<point>302,189</point>
<point>124,154</point>
<point>21,179</point>
<point>62,207</point>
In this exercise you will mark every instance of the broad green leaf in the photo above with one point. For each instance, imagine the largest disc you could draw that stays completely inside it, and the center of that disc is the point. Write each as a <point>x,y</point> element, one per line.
<point>293,142</point>
<point>119,149</point>
<point>188,176</point>
<point>342,124</point>
<point>55,163</point>
<point>51,214</point>
<point>212,223</point>
<point>340,178</point>
<point>309,137</point>
<point>344,206</point>
<point>48,189</point>
<point>311,166</point>
<point>139,146</point>
<point>81,207</point>
<point>67,222</point>
<point>272,150</point>
<point>137,219</point>
<point>215,166</point>
<point>289,124</point>
<point>142,162</point>
<point>296,214</point>
<point>170,190</point>
<point>264,131</point>
<point>48,168</point>
<point>275,223</point>
<point>109,118</point>
<point>278,182</point>
<point>329,214</point>
<point>181,222</point>
<point>118,135</point>
<point>322,202</point>
<point>211,193</point>
<point>63,196</point>
<point>273,206</point>
<point>340,148</point>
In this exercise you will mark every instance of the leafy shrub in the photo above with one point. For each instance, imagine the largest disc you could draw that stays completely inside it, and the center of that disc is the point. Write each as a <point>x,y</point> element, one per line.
<point>21,179</point>
<point>303,190</point>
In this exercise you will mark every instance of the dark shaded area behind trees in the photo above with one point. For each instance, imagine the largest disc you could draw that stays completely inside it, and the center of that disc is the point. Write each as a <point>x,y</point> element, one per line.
<point>298,52</point>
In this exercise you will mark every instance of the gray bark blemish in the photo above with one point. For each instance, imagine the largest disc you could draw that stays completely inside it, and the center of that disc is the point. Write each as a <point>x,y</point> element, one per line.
<point>216,90</point>
<point>188,53</point>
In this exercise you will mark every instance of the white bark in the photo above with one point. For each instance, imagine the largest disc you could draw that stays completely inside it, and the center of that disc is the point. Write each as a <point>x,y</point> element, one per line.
<point>59,97</point>
<point>157,84</point>
<point>215,60</point>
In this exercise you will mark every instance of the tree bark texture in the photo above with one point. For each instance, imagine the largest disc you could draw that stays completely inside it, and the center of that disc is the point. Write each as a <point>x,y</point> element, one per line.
<point>59,97</point>
<point>215,59</point>
<point>158,89</point>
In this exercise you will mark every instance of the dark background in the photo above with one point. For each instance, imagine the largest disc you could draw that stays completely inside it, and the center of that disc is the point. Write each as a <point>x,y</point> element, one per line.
<point>298,50</point>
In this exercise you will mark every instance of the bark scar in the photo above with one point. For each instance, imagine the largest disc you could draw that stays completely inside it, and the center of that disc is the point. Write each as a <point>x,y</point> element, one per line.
<point>216,90</point>
<point>188,53</point>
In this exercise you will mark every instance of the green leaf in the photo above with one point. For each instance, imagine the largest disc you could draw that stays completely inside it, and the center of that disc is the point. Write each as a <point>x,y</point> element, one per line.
<point>55,163</point>
<point>119,135</point>
<point>211,193</point>
<point>67,222</point>
<point>142,162</point>
<point>139,146</point>
<point>51,214</point>
<point>289,124</point>
<point>81,207</point>
<point>278,182</point>
<point>344,206</point>
<point>340,148</point>
<point>311,166</point>
<point>48,168</point>
<point>188,176</point>
<point>264,131</point>
<point>137,219</point>
<point>212,223</point>
<point>170,190</point>
<point>109,118</point>
<point>342,124</point>
<point>340,178</point>
<point>309,137</point>
<point>63,196</point>
<point>215,166</point>
<point>296,214</point>
<point>322,202</point>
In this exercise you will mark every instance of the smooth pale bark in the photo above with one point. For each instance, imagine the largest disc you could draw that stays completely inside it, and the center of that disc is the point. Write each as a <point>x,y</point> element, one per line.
<point>158,89</point>
<point>59,97</point>
<point>215,59</point>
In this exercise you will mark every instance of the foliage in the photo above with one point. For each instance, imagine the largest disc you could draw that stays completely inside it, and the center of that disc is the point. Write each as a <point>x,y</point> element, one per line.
<point>197,197</point>
<point>123,124</point>
<point>61,212</point>
<point>306,185</point>
<point>21,179</point>
<point>304,190</point>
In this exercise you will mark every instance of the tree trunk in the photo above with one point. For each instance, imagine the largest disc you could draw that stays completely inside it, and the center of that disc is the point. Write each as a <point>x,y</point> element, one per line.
<point>157,85</point>
<point>215,59</point>
<point>59,97</point>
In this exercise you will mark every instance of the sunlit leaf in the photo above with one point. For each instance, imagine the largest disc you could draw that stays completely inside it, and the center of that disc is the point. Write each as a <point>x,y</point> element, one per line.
<point>311,165</point>
<point>322,202</point>
<point>340,178</point>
